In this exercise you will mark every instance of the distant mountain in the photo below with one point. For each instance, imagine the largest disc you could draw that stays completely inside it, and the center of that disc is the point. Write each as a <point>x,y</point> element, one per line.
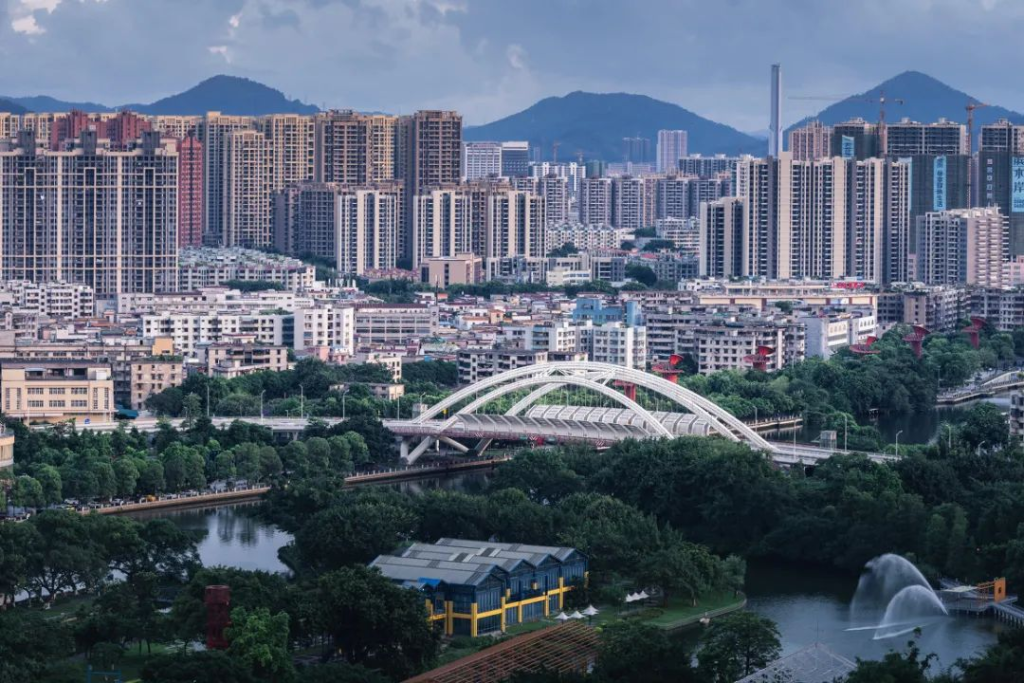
<point>11,107</point>
<point>47,103</point>
<point>229,95</point>
<point>926,99</point>
<point>595,124</point>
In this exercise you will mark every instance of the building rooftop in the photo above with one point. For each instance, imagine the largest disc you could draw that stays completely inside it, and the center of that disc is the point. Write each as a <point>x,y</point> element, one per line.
<point>813,664</point>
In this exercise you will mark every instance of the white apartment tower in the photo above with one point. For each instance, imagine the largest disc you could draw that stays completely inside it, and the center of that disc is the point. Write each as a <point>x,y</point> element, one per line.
<point>672,146</point>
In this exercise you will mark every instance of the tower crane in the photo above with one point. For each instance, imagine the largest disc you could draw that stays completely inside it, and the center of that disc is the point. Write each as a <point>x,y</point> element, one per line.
<point>971,106</point>
<point>881,101</point>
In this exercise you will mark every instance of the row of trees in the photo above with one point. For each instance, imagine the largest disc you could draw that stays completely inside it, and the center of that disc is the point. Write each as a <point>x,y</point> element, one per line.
<point>311,388</point>
<point>60,464</point>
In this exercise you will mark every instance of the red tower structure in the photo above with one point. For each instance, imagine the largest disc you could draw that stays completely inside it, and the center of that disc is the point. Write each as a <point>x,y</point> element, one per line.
<point>670,370</point>
<point>218,616</point>
<point>628,388</point>
<point>759,359</point>
<point>973,331</point>
<point>865,349</point>
<point>916,339</point>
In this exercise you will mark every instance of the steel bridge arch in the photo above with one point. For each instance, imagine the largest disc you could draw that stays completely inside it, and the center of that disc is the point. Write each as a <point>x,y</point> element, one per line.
<point>557,373</point>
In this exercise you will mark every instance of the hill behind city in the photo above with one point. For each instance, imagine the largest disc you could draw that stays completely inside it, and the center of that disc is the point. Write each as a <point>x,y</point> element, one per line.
<point>596,123</point>
<point>925,99</point>
<point>227,94</point>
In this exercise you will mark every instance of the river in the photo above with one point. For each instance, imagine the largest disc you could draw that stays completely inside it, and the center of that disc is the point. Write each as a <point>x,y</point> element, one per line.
<point>809,605</point>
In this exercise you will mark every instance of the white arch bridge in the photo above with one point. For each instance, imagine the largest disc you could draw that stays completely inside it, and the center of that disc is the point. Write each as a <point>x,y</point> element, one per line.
<point>456,417</point>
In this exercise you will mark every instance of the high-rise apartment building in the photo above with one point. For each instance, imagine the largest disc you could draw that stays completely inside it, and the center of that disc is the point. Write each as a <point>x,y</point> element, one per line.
<point>125,128</point>
<point>214,132</point>
<point>1001,176</point>
<point>810,142</point>
<point>481,160</point>
<point>368,223</point>
<point>428,154</point>
<point>672,146</point>
<point>632,203</point>
<point>554,190</point>
<point>515,225</point>
<point>290,141</point>
<point>636,150</point>
<point>190,192</point>
<point>962,246</point>
<point>707,167</point>
<point>723,238</point>
<point>910,138</point>
<point>443,220</point>
<point>179,127</point>
<point>515,159</point>
<point>829,218</point>
<point>681,196</point>
<point>356,149</point>
<point>91,216</point>
<point>775,114</point>
<point>855,139</point>
<point>247,180</point>
<point>595,201</point>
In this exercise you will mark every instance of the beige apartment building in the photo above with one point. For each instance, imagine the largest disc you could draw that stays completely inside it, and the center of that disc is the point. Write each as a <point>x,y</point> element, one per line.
<point>55,391</point>
<point>152,375</point>
<point>228,360</point>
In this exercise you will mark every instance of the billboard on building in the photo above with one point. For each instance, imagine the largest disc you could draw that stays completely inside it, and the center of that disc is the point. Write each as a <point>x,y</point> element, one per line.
<point>1017,185</point>
<point>848,148</point>
<point>939,184</point>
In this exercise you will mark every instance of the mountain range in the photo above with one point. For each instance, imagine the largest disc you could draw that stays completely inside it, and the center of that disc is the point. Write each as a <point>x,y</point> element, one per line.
<point>912,95</point>
<point>593,124</point>
<point>229,95</point>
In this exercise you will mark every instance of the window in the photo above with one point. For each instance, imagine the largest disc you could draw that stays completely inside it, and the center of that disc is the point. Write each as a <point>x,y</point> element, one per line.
<point>79,391</point>
<point>35,391</point>
<point>79,404</point>
<point>56,404</point>
<point>56,391</point>
<point>35,404</point>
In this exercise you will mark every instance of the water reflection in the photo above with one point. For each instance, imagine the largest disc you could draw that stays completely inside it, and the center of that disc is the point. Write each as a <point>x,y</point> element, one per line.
<point>813,606</point>
<point>233,536</point>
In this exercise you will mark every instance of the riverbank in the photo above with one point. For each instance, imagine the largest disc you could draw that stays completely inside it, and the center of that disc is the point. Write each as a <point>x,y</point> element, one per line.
<point>386,476</point>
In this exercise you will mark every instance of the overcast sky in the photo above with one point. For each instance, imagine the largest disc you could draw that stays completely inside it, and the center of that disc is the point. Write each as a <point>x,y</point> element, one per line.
<point>490,58</point>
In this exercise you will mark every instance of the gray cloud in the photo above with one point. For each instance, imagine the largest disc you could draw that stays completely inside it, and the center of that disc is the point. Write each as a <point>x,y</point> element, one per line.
<point>491,58</point>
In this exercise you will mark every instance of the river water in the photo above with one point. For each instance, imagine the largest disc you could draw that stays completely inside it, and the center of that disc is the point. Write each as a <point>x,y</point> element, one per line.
<point>809,605</point>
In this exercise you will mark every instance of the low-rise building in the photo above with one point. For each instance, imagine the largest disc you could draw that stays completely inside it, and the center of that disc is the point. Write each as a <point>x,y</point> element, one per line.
<point>478,364</point>
<point>55,391</point>
<point>243,357</point>
<point>387,324</point>
<point>619,344</point>
<point>462,269</point>
<point>472,588</point>
<point>201,267</point>
<point>827,332</point>
<point>152,375</point>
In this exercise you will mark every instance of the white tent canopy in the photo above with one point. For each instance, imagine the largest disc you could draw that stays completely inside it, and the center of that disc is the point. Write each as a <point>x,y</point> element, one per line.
<point>562,616</point>
<point>590,611</point>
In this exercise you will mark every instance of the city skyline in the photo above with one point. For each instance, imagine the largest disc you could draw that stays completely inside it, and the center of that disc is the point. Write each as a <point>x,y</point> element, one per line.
<point>489,61</point>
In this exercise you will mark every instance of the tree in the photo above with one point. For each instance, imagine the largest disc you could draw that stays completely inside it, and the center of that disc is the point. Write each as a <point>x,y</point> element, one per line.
<point>61,555</point>
<point>896,667</point>
<point>209,666</point>
<point>680,566</point>
<point>1002,662</point>
<point>733,573</point>
<point>28,492</point>
<point>737,645</point>
<point>374,622</point>
<point>642,274</point>
<point>659,245</point>
<point>567,249</point>
<point>151,476</point>
<point>542,474</point>
<point>49,479</point>
<point>31,645</point>
<point>341,673</point>
<point>628,648</point>
<point>985,424</point>
<point>126,474</point>
<point>260,640</point>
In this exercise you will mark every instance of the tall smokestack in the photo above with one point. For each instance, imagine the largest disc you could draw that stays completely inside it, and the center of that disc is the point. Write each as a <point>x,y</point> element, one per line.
<point>775,124</point>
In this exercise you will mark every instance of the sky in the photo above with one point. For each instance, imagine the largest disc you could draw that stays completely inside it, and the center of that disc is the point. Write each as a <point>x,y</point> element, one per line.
<point>491,58</point>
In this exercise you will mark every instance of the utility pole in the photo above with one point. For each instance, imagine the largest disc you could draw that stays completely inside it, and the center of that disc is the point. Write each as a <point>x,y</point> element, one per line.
<point>302,402</point>
<point>207,397</point>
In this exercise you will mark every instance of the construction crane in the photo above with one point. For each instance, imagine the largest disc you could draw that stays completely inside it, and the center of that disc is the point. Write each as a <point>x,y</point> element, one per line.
<point>881,101</point>
<point>971,106</point>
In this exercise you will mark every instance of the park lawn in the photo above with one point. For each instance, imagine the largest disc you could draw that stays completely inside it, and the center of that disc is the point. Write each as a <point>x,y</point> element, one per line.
<point>680,611</point>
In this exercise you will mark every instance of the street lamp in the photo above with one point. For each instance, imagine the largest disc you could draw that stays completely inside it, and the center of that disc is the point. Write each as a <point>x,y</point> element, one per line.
<point>302,402</point>
<point>846,432</point>
<point>979,447</point>
<point>343,395</point>
<point>898,443</point>
<point>262,420</point>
